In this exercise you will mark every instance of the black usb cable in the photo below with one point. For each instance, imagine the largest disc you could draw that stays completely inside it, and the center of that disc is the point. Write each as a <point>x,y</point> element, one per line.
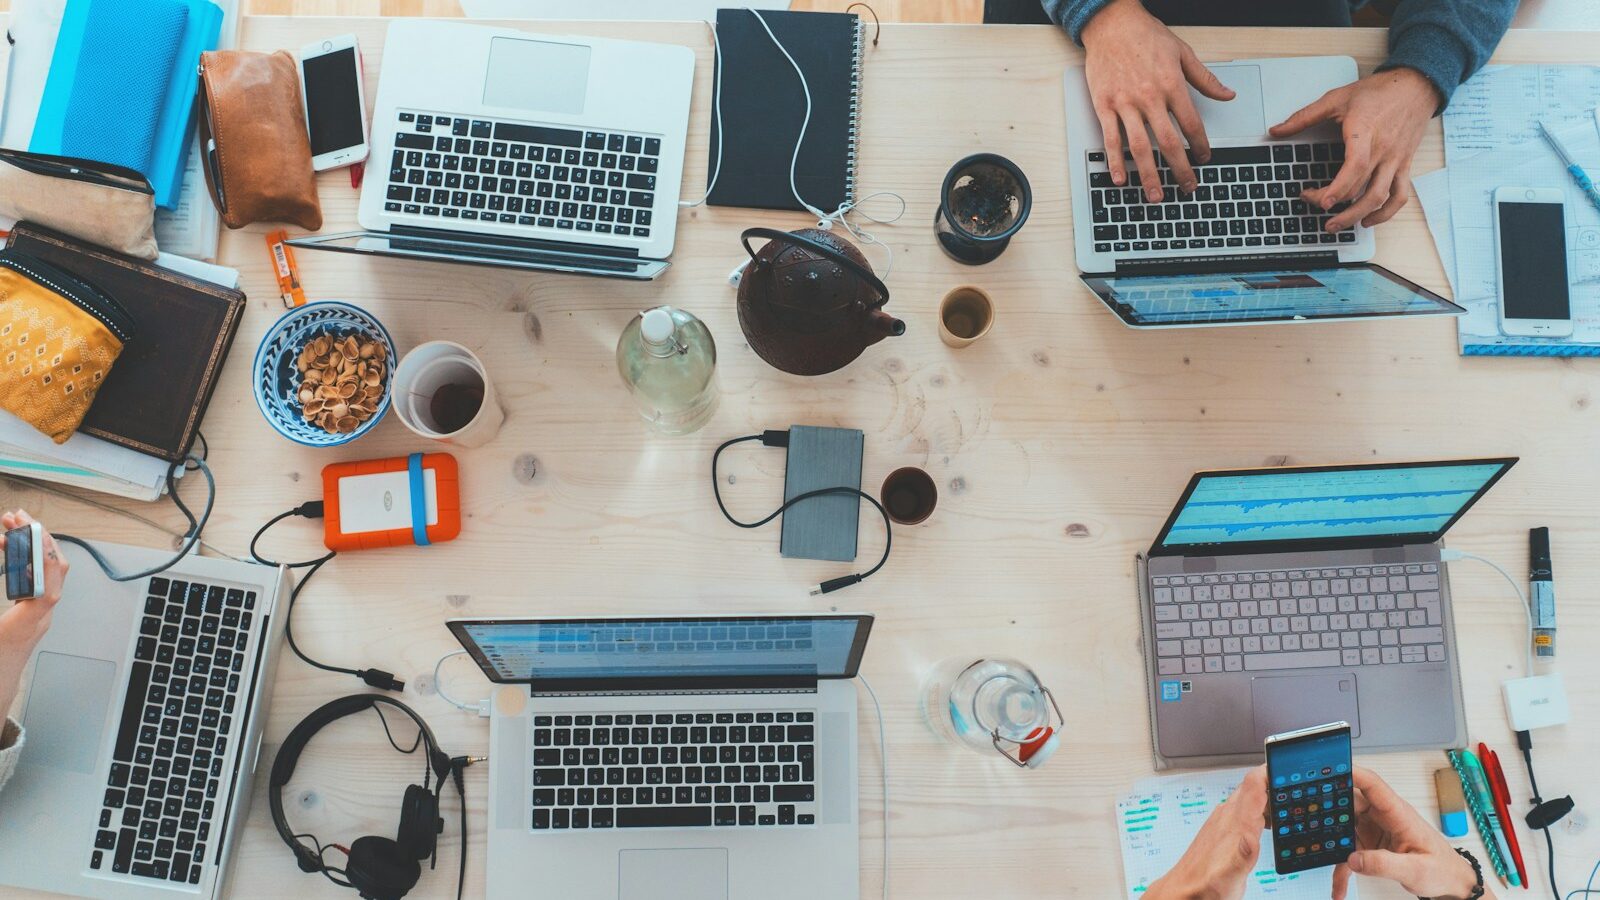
<point>772,438</point>
<point>377,678</point>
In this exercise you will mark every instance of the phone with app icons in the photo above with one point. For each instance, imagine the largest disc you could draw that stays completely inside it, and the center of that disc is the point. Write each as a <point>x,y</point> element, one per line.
<point>1310,798</point>
<point>25,562</point>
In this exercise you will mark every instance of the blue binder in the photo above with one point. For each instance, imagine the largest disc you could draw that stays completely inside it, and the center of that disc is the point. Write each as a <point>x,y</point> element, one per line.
<point>122,84</point>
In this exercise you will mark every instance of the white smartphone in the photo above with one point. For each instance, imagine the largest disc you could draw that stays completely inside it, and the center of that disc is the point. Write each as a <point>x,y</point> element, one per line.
<point>1530,236</point>
<point>333,92</point>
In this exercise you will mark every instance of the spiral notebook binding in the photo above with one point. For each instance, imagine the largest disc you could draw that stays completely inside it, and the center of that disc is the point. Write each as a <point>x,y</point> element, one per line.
<point>855,112</point>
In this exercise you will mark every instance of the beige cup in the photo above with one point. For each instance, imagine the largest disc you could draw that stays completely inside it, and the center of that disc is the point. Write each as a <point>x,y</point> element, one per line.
<point>448,365</point>
<point>965,314</point>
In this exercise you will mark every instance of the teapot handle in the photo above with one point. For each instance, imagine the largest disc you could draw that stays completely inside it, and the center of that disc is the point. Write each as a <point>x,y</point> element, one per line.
<point>820,249</point>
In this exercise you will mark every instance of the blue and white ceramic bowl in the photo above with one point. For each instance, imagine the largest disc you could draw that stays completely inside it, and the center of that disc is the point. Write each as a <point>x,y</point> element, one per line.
<point>277,379</point>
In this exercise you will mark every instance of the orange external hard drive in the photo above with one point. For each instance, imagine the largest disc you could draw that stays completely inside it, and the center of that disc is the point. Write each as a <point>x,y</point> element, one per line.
<point>377,503</point>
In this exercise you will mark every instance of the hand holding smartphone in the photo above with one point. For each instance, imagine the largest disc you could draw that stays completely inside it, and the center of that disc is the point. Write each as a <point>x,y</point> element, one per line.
<point>331,87</point>
<point>24,561</point>
<point>1310,797</point>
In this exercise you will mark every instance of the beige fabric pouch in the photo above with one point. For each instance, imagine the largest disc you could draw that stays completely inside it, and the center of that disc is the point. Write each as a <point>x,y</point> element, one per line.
<point>102,204</point>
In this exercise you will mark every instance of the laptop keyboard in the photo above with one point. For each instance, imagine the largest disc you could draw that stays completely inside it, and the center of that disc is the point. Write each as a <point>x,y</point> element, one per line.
<point>655,770</point>
<point>510,173</point>
<point>177,721</point>
<point>1247,197</point>
<point>1298,619</point>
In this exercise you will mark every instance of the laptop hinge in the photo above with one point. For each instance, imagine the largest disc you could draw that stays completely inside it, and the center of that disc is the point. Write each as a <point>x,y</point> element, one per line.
<point>552,687</point>
<point>472,237</point>
<point>1213,265</point>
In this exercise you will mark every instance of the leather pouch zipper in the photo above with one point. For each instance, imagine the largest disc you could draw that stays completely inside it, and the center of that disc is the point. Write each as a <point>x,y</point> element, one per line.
<point>74,169</point>
<point>80,293</point>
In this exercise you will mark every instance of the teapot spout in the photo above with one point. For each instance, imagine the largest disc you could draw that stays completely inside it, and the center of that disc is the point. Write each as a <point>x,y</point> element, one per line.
<point>884,325</point>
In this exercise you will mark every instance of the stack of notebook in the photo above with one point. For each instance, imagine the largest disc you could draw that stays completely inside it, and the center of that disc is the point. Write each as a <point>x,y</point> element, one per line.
<point>147,415</point>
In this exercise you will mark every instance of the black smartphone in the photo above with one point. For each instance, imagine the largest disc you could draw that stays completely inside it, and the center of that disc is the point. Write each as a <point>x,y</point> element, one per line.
<point>1310,799</point>
<point>25,562</point>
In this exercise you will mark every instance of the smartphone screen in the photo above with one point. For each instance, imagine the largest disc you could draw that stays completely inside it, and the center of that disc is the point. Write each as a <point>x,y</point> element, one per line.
<point>1533,261</point>
<point>333,101</point>
<point>19,563</point>
<point>1309,798</point>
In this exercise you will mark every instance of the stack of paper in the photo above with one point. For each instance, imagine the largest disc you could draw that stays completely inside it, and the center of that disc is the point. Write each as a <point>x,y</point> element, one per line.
<point>1492,140</point>
<point>1160,818</point>
<point>88,462</point>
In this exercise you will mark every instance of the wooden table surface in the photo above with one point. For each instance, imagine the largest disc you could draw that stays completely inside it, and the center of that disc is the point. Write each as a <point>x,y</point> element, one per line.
<point>1059,444</point>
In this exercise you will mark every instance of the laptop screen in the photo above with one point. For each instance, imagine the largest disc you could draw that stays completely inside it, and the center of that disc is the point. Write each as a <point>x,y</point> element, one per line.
<point>1237,297</point>
<point>530,650</point>
<point>1326,505</point>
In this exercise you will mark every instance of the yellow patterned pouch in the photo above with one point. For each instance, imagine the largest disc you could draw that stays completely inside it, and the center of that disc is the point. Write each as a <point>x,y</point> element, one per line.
<point>59,337</point>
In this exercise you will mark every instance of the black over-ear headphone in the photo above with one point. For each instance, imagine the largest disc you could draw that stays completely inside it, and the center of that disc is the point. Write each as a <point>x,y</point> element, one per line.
<point>378,868</point>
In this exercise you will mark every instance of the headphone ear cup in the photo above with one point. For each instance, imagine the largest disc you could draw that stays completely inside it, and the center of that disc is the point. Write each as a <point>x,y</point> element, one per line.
<point>419,822</point>
<point>380,869</point>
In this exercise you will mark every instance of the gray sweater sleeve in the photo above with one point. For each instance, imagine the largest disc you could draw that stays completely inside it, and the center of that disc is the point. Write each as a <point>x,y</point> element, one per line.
<point>1446,40</point>
<point>1073,14</point>
<point>10,749</point>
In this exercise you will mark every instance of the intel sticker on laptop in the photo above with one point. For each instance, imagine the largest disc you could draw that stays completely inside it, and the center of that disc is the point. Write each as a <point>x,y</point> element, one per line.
<point>1171,691</point>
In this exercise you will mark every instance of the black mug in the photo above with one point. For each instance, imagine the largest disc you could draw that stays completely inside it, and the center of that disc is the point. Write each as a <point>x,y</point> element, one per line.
<point>983,202</point>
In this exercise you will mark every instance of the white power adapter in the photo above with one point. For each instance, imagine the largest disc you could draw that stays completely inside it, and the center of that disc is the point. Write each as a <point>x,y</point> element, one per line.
<point>1538,701</point>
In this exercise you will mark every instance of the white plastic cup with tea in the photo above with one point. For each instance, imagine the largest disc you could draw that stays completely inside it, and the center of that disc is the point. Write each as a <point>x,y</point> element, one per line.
<point>443,393</point>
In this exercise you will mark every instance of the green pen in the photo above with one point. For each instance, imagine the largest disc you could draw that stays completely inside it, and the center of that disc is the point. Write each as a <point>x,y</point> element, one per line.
<point>1483,798</point>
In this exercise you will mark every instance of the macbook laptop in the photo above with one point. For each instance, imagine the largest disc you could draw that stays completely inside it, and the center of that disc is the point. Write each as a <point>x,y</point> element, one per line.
<point>510,148</point>
<point>682,758</point>
<point>143,724</point>
<point>1243,249</point>
<point>1275,599</point>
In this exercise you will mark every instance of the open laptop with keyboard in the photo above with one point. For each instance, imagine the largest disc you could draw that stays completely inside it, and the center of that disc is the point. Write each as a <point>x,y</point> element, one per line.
<point>616,743</point>
<point>508,148</point>
<point>1243,248</point>
<point>143,722</point>
<point>1275,599</point>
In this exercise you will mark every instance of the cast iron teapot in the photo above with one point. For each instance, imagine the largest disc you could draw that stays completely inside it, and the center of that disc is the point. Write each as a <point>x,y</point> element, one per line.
<point>809,302</point>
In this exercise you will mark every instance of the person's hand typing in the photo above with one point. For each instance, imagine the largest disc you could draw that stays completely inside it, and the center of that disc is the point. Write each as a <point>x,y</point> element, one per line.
<point>1138,73</point>
<point>1394,842</point>
<point>26,621</point>
<point>1217,864</point>
<point>1383,117</point>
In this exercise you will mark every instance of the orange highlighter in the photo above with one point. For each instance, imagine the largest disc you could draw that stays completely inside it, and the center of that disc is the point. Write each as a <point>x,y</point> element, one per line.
<point>1502,805</point>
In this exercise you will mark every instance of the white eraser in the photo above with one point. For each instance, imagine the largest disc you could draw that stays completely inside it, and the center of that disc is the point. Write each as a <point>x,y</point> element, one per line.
<point>1537,702</point>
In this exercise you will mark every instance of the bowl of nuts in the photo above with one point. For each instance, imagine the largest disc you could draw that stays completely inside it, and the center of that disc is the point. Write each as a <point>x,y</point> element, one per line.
<point>323,374</point>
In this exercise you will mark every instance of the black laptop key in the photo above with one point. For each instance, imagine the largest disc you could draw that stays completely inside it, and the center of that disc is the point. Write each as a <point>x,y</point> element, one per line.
<point>132,705</point>
<point>793,793</point>
<point>664,817</point>
<point>409,141</point>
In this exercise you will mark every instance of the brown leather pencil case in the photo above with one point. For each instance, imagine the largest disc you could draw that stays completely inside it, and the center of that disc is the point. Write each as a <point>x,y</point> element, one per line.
<point>253,134</point>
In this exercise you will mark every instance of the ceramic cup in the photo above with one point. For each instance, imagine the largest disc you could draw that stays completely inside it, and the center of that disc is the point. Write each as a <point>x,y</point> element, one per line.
<point>965,314</point>
<point>909,495</point>
<point>442,392</point>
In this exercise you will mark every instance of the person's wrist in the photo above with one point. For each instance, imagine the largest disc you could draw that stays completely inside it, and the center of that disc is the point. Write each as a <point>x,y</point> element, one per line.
<point>1110,18</point>
<point>1426,96</point>
<point>1463,876</point>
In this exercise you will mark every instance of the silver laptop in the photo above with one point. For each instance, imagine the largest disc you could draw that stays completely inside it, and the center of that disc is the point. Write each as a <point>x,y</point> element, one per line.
<point>143,726</point>
<point>510,148</point>
<point>1243,249</point>
<point>672,758</point>
<point>1275,599</point>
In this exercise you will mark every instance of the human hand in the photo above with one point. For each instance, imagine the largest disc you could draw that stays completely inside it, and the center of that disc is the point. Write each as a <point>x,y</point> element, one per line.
<point>26,621</point>
<point>1137,71</point>
<point>1394,842</point>
<point>1222,855</point>
<point>1383,117</point>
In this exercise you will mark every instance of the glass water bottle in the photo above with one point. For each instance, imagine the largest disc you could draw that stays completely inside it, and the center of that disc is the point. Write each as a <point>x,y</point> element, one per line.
<point>668,360</point>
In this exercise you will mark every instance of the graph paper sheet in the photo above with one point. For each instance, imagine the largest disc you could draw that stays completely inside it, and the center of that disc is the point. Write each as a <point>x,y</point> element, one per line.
<point>1159,819</point>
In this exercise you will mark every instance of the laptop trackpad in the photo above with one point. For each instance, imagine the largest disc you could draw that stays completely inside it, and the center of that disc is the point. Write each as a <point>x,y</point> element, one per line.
<point>540,76</point>
<point>673,875</point>
<point>66,711</point>
<point>1244,116</point>
<point>1287,702</point>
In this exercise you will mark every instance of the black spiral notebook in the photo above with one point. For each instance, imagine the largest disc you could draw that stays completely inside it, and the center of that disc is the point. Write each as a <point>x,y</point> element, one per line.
<point>763,106</point>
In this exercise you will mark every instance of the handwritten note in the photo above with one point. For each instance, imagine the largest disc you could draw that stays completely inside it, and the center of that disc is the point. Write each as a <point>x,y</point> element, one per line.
<point>1159,819</point>
<point>1501,106</point>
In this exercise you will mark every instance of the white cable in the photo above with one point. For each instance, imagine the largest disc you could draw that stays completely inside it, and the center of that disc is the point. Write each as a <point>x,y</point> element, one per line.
<point>1521,598</point>
<point>716,112</point>
<point>883,754</point>
<point>439,686</point>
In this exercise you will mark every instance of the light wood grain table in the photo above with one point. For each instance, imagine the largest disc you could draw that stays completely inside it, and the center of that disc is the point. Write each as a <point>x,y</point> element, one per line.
<point>1059,443</point>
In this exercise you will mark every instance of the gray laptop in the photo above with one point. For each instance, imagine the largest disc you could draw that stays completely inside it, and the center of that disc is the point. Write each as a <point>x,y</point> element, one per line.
<point>143,726</point>
<point>1275,599</point>
<point>672,758</point>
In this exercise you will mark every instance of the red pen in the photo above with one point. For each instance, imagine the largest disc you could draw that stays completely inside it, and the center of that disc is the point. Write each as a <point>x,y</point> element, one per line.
<point>1502,805</point>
